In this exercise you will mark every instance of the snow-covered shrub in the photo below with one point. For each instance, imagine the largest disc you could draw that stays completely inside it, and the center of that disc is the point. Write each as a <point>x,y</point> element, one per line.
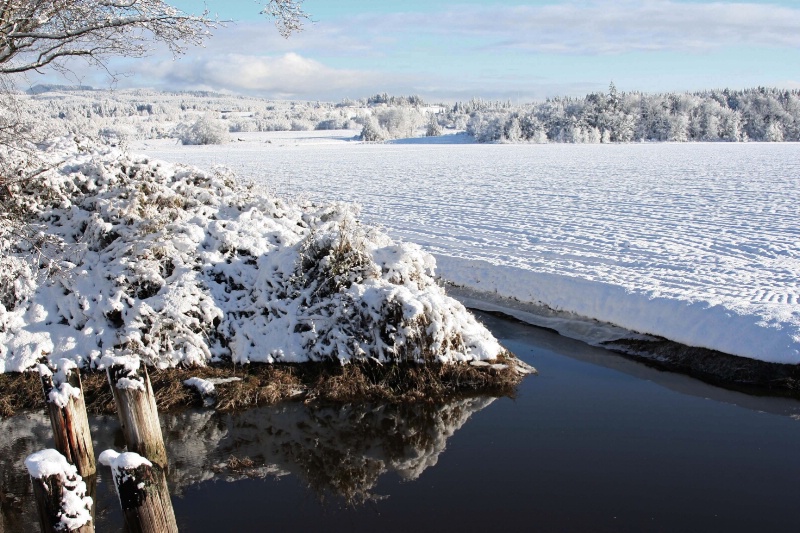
<point>205,130</point>
<point>333,124</point>
<point>434,129</point>
<point>302,125</point>
<point>244,125</point>
<point>176,266</point>
<point>16,283</point>
<point>399,122</point>
<point>118,135</point>
<point>372,132</point>
<point>274,125</point>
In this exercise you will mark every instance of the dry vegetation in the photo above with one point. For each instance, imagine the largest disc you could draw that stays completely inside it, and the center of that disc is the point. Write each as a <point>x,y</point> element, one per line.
<point>262,384</point>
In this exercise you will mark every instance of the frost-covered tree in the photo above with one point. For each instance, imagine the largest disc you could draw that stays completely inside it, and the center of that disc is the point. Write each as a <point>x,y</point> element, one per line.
<point>372,132</point>
<point>39,33</point>
<point>205,130</point>
<point>732,116</point>
<point>433,129</point>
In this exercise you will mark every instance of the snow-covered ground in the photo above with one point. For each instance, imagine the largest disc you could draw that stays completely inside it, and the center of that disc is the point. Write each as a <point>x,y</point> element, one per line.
<point>170,264</point>
<point>699,243</point>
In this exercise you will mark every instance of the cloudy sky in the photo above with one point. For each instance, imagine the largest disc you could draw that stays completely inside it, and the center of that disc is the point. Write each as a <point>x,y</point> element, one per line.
<point>456,50</point>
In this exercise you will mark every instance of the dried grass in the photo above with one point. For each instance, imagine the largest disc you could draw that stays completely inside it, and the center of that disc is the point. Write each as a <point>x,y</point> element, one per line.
<point>20,391</point>
<point>263,384</point>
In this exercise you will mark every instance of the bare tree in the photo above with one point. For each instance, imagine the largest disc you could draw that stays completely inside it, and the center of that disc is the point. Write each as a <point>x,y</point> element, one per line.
<point>40,33</point>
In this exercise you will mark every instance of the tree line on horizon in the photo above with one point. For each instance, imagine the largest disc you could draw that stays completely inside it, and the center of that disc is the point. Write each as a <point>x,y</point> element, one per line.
<point>760,114</point>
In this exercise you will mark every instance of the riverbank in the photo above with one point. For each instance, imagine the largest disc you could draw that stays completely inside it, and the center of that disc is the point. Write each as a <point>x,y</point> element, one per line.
<point>240,387</point>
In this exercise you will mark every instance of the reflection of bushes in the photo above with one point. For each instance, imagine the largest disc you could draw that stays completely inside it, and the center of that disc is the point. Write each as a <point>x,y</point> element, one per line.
<point>342,451</point>
<point>337,451</point>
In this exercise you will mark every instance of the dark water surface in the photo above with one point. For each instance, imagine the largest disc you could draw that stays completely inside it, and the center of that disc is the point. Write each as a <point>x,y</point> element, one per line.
<point>596,442</point>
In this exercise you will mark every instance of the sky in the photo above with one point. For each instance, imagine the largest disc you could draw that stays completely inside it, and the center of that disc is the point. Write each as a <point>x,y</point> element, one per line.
<point>447,51</point>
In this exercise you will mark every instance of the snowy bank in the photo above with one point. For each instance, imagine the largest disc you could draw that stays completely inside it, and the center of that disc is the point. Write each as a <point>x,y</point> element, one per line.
<point>180,266</point>
<point>698,243</point>
<point>735,330</point>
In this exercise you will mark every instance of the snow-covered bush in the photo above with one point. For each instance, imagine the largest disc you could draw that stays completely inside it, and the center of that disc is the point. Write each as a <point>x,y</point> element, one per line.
<point>372,132</point>
<point>333,124</point>
<point>399,122</point>
<point>302,125</point>
<point>180,266</point>
<point>244,125</point>
<point>205,130</point>
<point>433,129</point>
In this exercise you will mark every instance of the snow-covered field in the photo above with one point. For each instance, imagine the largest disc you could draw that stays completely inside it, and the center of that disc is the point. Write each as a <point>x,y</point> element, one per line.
<point>699,243</point>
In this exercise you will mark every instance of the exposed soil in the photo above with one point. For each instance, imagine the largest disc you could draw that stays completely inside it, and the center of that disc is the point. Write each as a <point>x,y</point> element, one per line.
<point>712,366</point>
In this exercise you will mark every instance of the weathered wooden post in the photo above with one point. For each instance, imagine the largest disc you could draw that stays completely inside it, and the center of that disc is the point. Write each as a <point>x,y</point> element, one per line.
<point>136,407</point>
<point>60,493</point>
<point>63,393</point>
<point>143,493</point>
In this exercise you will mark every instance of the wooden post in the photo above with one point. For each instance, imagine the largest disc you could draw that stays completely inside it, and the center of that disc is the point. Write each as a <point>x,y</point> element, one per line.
<point>60,494</point>
<point>143,493</point>
<point>63,394</point>
<point>136,408</point>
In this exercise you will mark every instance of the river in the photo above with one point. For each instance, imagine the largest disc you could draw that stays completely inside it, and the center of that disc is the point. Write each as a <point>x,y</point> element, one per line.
<point>595,442</point>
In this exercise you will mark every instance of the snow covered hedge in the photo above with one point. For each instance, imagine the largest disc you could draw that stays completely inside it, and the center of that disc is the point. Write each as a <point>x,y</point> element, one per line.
<point>180,266</point>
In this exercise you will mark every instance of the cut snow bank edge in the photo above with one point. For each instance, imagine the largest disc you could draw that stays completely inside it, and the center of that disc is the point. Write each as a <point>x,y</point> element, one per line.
<point>573,307</point>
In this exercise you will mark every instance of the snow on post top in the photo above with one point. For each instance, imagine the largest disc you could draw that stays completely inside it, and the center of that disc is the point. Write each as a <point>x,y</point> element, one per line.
<point>122,461</point>
<point>75,505</point>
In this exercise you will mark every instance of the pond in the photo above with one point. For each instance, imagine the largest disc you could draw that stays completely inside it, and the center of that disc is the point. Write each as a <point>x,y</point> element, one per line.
<point>596,442</point>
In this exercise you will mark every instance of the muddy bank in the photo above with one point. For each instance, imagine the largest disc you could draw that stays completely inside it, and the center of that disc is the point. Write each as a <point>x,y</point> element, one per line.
<point>712,366</point>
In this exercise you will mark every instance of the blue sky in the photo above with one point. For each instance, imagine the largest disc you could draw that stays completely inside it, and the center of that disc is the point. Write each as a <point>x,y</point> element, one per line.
<point>521,51</point>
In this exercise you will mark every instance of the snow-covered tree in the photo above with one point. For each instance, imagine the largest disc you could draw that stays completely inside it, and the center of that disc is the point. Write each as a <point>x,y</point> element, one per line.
<point>205,130</point>
<point>434,129</point>
<point>372,132</point>
<point>39,33</point>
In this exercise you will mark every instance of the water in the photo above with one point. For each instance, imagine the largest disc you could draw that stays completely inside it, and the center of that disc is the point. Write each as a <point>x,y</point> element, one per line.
<point>596,442</point>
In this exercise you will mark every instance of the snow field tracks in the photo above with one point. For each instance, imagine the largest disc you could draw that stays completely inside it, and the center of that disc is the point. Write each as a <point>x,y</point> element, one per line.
<point>699,243</point>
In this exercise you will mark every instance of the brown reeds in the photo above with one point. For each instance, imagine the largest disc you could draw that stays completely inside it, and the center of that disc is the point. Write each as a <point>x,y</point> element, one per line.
<point>263,384</point>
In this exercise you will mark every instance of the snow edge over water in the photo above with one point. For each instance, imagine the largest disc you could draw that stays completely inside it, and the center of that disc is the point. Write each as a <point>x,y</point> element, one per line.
<point>573,307</point>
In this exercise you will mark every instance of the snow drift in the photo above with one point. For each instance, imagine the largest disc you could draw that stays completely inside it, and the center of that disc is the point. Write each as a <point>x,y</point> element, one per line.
<point>176,265</point>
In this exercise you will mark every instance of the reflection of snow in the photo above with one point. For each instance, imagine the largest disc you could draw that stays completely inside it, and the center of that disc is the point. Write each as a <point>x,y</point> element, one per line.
<point>339,450</point>
<point>20,436</point>
<point>336,450</point>
<point>24,434</point>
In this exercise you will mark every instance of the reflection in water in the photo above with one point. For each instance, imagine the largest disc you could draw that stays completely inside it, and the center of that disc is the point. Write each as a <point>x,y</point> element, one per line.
<point>336,450</point>
<point>30,432</point>
<point>20,436</point>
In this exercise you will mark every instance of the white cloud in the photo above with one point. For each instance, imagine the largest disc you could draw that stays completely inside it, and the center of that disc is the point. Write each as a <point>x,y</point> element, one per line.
<point>604,27</point>
<point>289,76</point>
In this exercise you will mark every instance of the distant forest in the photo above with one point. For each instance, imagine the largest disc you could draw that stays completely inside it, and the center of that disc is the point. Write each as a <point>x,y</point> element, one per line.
<point>749,115</point>
<point>760,114</point>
